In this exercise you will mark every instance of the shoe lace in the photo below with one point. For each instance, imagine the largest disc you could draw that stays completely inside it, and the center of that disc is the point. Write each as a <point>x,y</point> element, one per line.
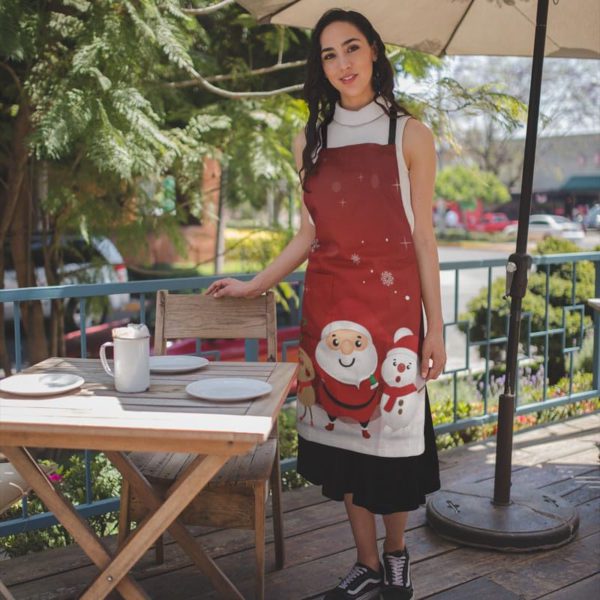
<point>396,564</point>
<point>355,572</point>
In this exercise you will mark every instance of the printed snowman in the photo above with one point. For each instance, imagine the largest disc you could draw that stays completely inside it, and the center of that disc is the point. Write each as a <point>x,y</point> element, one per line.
<point>403,386</point>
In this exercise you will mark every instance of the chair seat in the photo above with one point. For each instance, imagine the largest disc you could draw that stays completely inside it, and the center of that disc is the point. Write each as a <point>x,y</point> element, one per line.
<point>246,470</point>
<point>224,501</point>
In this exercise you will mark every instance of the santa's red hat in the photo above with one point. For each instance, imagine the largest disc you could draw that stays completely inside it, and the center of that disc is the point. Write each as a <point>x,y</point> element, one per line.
<point>404,339</point>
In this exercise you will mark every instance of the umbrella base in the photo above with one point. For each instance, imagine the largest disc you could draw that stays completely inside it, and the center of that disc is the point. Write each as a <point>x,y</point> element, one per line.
<point>532,521</point>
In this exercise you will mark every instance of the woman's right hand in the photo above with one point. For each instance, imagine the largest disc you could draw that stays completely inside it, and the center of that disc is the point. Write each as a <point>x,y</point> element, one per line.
<point>233,288</point>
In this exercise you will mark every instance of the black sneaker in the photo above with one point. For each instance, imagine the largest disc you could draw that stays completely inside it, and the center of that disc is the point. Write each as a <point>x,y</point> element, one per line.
<point>396,581</point>
<point>362,583</point>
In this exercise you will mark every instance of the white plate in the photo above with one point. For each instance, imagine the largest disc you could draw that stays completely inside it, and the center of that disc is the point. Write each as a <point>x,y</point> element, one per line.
<point>176,363</point>
<point>227,389</point>
<point>41,384</point>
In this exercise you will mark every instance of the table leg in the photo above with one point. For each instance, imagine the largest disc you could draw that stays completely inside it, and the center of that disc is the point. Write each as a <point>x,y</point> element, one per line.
<point>69,517</point>
<point>180,494</point>
<point>153,500</point>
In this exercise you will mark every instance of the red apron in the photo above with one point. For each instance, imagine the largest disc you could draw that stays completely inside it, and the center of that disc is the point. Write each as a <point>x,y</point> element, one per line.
<point>361,311</point>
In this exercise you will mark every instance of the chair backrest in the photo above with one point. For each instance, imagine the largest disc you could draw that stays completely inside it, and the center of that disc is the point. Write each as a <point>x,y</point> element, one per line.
<point>201,316</point>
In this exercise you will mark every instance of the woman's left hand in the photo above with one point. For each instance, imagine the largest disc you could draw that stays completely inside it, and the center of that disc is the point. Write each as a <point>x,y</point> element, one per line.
<point>434,349</point>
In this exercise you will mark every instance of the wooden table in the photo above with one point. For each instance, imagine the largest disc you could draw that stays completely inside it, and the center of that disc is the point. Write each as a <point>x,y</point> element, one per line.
<point>164,418</point>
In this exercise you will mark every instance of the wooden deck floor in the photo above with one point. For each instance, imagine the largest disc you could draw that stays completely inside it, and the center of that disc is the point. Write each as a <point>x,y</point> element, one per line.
<point>560,459</point>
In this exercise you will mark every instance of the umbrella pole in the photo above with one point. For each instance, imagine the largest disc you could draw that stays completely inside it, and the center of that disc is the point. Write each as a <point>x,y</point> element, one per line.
<point>531,520</point>
<point>517,270</point>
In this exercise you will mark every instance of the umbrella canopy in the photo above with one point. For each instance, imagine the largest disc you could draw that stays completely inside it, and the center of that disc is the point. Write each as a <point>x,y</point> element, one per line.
<point>458,27</point>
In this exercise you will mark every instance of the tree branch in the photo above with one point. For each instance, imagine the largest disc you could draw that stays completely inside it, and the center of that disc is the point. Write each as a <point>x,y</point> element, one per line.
<point>229,76</point>
<point>13,75</point>
<point>207,10</point>
<point>241,95</point>
<point>281,44</point>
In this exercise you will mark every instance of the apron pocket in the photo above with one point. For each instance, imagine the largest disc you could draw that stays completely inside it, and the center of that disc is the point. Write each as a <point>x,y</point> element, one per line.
<point>316,302</point>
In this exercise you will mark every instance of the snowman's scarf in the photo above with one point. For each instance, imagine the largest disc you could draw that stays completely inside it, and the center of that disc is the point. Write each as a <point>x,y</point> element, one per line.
<point>396,392</point>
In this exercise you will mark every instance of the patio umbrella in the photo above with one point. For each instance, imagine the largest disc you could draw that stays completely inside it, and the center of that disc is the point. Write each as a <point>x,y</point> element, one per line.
<point>555,28</point>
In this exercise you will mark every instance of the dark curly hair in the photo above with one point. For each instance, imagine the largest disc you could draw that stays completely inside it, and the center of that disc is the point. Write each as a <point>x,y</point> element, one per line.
<point>321,96</point>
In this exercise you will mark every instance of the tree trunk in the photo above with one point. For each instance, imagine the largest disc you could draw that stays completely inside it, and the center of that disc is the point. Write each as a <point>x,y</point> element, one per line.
<point>220,237</point>
<point>5,362</point>
<point>52,261</point>
<point>17,168</point>
<point>20,243</point>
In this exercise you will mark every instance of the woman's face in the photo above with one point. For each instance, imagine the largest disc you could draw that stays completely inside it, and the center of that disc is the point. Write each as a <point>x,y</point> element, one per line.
<point>347,61</point>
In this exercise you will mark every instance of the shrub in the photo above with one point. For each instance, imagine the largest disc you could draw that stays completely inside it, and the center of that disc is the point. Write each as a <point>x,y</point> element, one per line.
<point>70,479</point>
<point>255,249</point>
<point>560,288</point>
<point>255,246</point>
<point>288,448</point>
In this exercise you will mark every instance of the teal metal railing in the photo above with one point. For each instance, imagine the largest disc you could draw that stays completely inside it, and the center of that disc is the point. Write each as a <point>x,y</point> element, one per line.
<point>147,289</point>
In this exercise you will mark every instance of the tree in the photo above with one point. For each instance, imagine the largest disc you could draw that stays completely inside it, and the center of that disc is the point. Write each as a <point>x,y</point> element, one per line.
<point>466,185</point>
<point>78,115</point>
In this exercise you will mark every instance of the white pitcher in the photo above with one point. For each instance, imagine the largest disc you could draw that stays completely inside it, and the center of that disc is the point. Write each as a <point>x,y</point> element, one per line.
<point>131,348</point>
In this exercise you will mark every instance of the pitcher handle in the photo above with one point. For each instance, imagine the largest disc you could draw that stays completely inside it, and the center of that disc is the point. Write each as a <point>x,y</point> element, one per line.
<point>103,357</point>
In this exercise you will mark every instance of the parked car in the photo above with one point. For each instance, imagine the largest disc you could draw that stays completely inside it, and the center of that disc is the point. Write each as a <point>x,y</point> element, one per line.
<point>98,261</point>
<point>592,219</point>
<point>542,226</point>
<point>492,222</point>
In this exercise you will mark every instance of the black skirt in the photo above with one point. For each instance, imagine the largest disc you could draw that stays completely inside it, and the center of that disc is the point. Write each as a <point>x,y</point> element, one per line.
<point>379,484</point>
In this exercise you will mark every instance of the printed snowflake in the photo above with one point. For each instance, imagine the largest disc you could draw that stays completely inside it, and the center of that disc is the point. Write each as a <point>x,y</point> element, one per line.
<point>387,278</point>
<point>355,258</point>
<point>314,245</point>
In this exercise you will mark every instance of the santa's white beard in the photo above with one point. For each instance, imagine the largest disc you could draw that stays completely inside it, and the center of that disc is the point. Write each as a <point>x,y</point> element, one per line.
<point>364,365</point>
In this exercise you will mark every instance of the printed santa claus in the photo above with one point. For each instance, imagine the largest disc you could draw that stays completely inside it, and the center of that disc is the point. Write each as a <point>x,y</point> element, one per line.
<point>346,362</point>
<point>403,394</point>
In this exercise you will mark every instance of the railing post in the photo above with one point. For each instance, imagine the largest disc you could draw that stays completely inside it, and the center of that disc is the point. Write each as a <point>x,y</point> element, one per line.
<point>17,330</point>
<point>596,363</point>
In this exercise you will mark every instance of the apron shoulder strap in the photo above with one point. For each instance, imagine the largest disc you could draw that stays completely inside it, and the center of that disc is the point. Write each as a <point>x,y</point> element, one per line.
<point>392,130</point>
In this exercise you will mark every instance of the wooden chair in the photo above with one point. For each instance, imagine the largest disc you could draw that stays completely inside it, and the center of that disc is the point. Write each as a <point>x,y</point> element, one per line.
<point>237,495</point>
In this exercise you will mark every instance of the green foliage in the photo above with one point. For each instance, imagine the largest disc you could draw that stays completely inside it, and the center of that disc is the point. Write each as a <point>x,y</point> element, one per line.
<point>255,249</point>
<point>584,360</point>
<point>70,479</point>
<point>259,150</point>
<point>462,235</point>
<point>288,448</point>
<point>559,279</point>
<point>256,246</point>
<point>466,185</point>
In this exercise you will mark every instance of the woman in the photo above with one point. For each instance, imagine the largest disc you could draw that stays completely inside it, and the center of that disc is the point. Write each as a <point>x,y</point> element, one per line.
<point>367,170</point>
